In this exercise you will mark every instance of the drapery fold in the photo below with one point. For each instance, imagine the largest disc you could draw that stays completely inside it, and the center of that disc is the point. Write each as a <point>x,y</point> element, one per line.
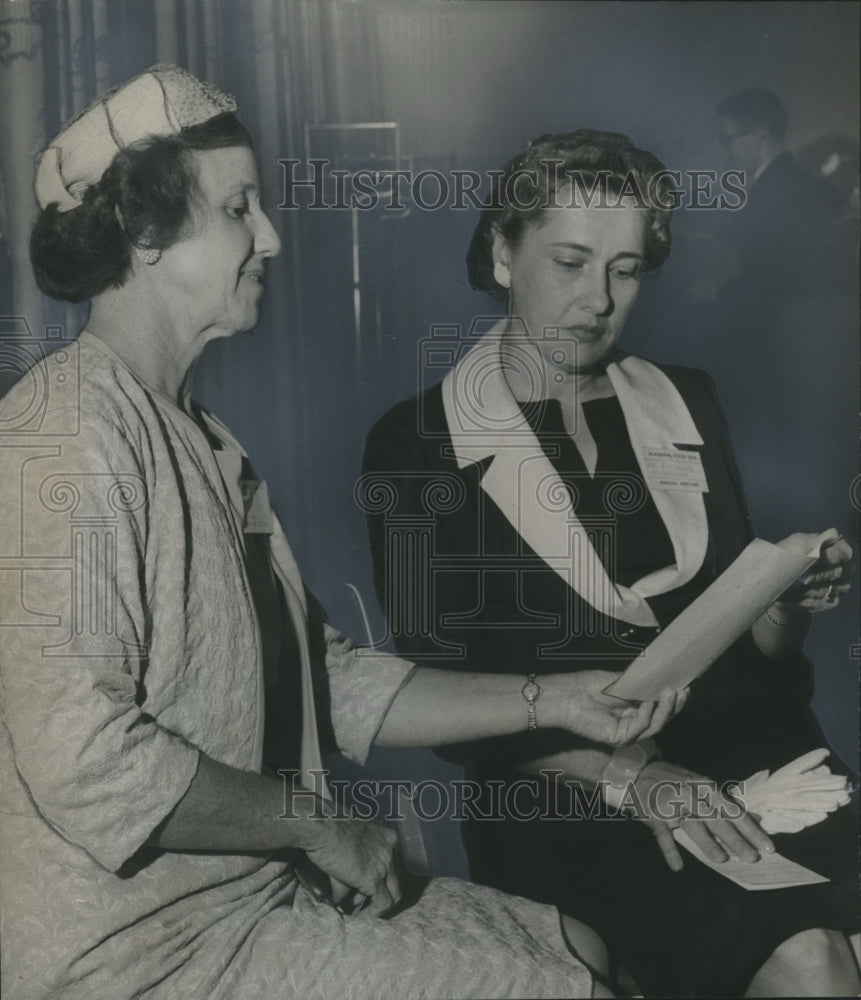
<point>287,61</point>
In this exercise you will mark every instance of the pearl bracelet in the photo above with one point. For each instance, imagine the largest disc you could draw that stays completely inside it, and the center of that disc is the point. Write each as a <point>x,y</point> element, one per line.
<point>779,622</point>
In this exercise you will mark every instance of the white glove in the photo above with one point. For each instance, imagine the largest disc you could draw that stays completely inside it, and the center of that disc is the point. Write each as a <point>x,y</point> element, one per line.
<point>797,795</point>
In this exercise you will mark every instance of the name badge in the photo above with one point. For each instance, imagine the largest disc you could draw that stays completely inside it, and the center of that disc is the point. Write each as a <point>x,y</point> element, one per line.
<point>258,513</point>
<point>674,469</point>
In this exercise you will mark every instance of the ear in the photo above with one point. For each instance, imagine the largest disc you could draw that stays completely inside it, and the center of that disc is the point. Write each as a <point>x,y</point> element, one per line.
<point>501,259</point>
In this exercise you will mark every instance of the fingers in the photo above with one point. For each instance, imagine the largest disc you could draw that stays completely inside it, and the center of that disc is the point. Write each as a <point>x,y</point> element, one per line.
<point>388,894</point>
<point>380,903</point>
<point>716,824</point>
<point>836,553</point>
<point>817,591</point>
<point>341,893</point>
<point>670,702</point>
<point>746,846</point>
<point>721,839</point>
<point>829,577</point>
<point>615,721</point>
<point>383,889</point>
<point>707,843</point>
<point>650,717</point>
<point>818,599</point>
<point>664,837</point>
<point>358,857</point>
<point>633,723</point>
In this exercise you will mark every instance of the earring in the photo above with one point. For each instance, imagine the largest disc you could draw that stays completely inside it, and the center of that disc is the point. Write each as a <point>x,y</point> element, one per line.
<point>500,274</point>
<point>148,255</point>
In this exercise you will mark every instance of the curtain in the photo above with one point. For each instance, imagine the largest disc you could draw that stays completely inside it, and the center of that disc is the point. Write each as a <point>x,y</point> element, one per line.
<point>288,62</point>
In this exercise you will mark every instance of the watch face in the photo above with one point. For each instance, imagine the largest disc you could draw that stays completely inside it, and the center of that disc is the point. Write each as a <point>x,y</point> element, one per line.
<point>531,690</point>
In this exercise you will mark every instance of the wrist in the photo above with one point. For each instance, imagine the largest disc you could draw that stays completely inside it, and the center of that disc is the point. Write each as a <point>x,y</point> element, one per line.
<point>624,768</point>
<point>782,615</point>
<point>531,692</point>
<point>559,701</point>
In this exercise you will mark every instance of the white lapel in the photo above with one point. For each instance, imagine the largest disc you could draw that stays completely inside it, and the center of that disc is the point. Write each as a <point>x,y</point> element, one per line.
<point>484,419</point>
<point>656,417</point>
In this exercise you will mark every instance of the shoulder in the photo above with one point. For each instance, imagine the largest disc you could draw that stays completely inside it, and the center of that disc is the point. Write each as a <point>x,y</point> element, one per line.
<point>415,425</point>
<point>68,392</point>
<point>794,190</point>
<point>782,176</point>
<point>697,389</point>
<point>689,381</point>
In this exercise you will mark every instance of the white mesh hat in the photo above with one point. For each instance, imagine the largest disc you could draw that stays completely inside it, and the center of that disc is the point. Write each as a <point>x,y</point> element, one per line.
<point>161,101</point>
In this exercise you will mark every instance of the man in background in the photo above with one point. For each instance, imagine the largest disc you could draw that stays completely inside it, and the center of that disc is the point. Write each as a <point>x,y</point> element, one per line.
<point>784,234</point>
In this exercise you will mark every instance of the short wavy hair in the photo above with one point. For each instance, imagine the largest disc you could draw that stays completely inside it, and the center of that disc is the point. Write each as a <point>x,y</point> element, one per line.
<point>756,108</point>
<point>144,199</point>
<point>528,184</point>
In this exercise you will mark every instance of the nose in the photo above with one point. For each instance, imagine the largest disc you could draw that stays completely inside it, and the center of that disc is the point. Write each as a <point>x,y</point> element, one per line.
<point>266,240</point>
<point>594,293</point>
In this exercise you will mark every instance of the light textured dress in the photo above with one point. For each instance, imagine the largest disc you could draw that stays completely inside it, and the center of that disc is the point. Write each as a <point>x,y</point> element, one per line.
<point>128,644</point>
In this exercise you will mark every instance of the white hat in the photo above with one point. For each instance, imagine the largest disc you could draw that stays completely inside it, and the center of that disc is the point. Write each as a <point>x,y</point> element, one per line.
<point>161,101</point>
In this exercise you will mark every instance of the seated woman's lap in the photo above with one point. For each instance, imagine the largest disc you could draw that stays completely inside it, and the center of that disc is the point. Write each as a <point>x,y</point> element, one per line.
<point>458,940</point>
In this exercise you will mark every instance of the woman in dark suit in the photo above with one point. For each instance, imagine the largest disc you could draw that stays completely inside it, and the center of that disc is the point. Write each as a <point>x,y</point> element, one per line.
<point>554,503</point>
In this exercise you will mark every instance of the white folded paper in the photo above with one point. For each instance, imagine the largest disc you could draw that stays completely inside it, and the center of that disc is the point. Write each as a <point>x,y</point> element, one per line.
<point>715,620</point>
<point>772,871</point>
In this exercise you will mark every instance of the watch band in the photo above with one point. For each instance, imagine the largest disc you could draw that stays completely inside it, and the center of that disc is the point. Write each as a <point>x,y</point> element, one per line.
<point>531,691</point>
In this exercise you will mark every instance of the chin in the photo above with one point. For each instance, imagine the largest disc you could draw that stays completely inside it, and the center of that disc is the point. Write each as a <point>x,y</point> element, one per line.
<point>245,325</point>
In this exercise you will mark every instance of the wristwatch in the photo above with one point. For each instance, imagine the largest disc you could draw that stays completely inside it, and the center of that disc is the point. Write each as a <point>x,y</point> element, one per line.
<point>623,768</point>
<point>531,692</point>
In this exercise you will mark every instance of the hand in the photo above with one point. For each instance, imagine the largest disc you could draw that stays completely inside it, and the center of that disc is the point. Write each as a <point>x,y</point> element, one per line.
<point>826,580</point>
<point>361,858</point>
<point>672,796</point>
<point>605,719</point>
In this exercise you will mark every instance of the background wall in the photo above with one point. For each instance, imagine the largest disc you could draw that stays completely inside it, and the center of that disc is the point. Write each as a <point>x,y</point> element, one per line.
<point>467,84</point>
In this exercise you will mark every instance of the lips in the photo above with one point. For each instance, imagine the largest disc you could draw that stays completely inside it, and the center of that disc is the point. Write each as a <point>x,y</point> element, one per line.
<point>588,333</point>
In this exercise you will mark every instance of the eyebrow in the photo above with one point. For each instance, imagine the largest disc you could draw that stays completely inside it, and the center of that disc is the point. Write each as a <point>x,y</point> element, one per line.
<point>623,255</point>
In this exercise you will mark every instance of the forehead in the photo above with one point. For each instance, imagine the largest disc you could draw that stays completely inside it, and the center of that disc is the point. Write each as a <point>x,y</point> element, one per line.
<point>609,228</point>
<point>220,172</point>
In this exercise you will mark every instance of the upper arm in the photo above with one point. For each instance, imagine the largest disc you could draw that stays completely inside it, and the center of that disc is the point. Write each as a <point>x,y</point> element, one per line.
<point>74,647</point>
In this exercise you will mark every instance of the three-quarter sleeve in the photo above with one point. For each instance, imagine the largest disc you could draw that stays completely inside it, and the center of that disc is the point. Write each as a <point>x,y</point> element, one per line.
<point>74,653</point>
<point>354,685</point>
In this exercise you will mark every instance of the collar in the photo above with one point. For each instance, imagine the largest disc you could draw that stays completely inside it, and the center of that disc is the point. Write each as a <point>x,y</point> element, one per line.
<point>782,157</point>
<point>484,419</point>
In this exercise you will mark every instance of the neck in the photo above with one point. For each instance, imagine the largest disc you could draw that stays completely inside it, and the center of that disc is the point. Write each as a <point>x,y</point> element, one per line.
<point>579,386</point>
<point>562,382</point>
<point>152,345</point>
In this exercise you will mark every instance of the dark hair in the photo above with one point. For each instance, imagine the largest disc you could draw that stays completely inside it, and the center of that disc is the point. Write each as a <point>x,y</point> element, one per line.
<point>143,199</point>
<point>528,185</point>
<point>756,108</point>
